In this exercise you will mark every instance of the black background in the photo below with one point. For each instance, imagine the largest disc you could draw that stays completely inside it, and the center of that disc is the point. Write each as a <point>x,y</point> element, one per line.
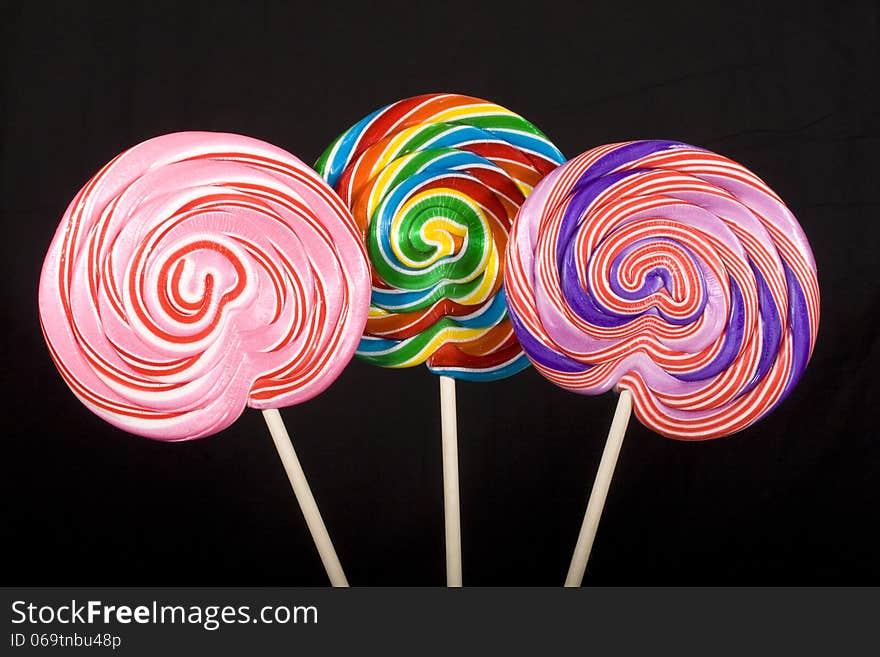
<point>792,93</point>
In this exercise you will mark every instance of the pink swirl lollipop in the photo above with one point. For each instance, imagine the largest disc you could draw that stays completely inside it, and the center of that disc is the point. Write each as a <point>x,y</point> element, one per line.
<point>671,273</point>
<point>199,273</point>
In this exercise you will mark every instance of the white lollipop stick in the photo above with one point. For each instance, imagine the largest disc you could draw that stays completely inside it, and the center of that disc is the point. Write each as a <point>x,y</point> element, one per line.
<point>451,507</point>
<point>600,490</point>
<point>304,496</point>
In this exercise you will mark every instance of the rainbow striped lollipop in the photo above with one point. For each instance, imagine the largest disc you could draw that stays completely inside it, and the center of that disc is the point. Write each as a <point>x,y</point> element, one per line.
<point>671,273</point>
<point>434,182</point>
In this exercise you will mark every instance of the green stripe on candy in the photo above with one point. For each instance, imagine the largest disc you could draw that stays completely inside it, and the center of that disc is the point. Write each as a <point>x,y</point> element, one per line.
<point>504,122</point>
<point>454,278</point>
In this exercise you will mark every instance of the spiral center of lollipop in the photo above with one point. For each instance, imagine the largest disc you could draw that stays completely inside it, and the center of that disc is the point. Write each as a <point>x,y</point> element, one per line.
<point>643,268</point>
<point>433,231</point>
<point>652,274</point>
<point>438,240</point>
<point>188,301</point>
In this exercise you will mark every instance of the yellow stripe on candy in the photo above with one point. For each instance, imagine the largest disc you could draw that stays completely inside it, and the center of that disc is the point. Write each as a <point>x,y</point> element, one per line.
<point>394,147</point>
<point>525,189</point>
<point>484,290</point>
<point>477,109</point>
<point>437,231</point>
<point>375,312</point>
<point>441,232</point>
<point>449,334</point>
<point>381,185</point>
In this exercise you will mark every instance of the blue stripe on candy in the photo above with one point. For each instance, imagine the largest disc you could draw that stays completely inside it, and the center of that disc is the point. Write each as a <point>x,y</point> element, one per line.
<point>369,346</point>
<point>529,142</point>
<point>463,133</point>
<point>491,315</point>
<point>347,141</point>
<point>517,365</point>
<point>396,299</point>
<point>456,135</point>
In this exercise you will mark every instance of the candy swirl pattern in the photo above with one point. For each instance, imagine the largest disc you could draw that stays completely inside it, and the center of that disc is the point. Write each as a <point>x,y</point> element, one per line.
<point>670,271</point>
<point>199,273</point>
<point>434,182</point>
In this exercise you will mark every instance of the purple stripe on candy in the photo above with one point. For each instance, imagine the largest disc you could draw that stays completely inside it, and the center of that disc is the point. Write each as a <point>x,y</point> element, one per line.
<point>754,346</point>
<point>771,330</point>
<point>581,301</point>
<point>583,194</point>
<point>601,175</point>
<point>541,354</point>
<point>733,337</point>
<point>657,278</point>
<point>624,155</point>
<point>799,328</point>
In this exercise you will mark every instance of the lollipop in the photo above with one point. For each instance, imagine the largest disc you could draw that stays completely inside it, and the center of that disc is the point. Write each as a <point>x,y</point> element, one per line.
<point>672,274</point>
<point>199,273</point>
<point>434,182</point>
